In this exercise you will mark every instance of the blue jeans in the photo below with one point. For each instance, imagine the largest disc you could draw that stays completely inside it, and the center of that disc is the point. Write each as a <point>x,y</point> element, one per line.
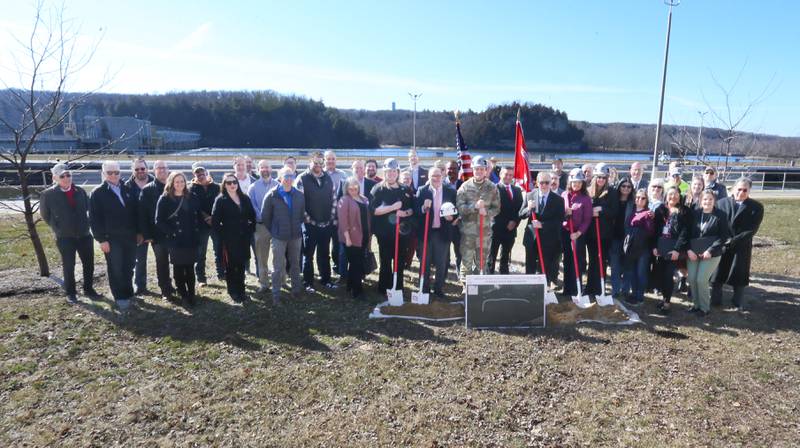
<point>202,249</point>
<point>638,271</point>
<point>121,260</point>
<point>620,283</point>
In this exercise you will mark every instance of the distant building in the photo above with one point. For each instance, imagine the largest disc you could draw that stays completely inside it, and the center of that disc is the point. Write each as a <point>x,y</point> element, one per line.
<point>170,139</point>
<point>394,106</point>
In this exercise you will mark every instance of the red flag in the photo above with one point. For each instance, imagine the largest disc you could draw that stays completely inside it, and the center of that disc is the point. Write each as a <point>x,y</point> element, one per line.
<point>522,172</point>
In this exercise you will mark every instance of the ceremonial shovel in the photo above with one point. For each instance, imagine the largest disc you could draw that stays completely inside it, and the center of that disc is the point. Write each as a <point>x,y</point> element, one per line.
<point>421,297</point>
<point>581,300</point>
<point>395,295</point>
<point>602,298</point>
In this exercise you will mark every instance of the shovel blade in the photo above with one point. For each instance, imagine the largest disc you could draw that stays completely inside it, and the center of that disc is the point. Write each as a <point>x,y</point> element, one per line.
<point>550,297</point>
<point>395,297</point>
<point>582,301</point>
<point>420,298</point>
<point>604,300</point>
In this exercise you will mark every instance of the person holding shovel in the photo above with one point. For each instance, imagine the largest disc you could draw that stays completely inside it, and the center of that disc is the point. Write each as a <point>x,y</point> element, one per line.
<point>604,212</point>
<point>544,210</point>
<point>478,201</point>
<point>430,197</point>
<point>673,221</point>
<point>578,211</point>
<point>390,201</point>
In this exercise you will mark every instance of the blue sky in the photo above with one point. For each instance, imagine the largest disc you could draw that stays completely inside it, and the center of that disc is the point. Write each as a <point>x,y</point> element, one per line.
<point>598,61</point>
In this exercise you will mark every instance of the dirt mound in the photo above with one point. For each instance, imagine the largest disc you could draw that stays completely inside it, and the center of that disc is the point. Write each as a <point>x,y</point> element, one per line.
<point>568,313</point>
<point>432,311</point>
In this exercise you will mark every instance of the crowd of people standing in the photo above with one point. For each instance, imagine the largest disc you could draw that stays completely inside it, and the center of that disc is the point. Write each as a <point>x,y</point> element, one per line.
<point>579,227</point>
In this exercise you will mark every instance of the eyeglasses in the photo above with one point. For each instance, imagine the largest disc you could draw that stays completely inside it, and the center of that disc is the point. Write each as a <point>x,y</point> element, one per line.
<point>140,169</point>
<point>63,175</point>
<point>544,182</point>
<point>112,173</point>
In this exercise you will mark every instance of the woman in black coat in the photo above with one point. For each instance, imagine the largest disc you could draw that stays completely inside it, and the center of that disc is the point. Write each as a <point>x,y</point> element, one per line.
<point>234,220</point>
<point>604,212</point>
<point>178,217</point>
<point>673,222</point>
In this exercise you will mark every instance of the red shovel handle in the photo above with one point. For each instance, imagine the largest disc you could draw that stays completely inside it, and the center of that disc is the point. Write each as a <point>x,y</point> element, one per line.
<point>574,248</point>
<point>396,242</point>
<point>424,245</point>
<point>599,247</point>
<point>539,245</point>
<point>480,241</point>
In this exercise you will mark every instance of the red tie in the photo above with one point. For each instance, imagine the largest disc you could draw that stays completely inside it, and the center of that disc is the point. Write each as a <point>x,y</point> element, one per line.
<point>510,194</point>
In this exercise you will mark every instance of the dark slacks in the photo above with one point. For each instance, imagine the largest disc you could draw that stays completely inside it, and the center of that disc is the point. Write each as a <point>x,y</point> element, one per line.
<point>234,278</point>
<point>552,258</point>
<point>570,283</point>
<point>664,271</point>
<point>317,239</point>
<point>162,267</point>
<point>386,255</point>
<point>140,276</point>
<point>84,247</point>
<point>336,250</point>
<point>593,271</point>
<point>355,269</point>
<point>437,258</point>
<point>121,260</point>
<point>184,279</point>
<point>502,241</point>
<point>456,240</point>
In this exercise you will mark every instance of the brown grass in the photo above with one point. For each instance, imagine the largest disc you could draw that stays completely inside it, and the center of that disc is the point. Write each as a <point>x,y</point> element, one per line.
<point>316,371</point>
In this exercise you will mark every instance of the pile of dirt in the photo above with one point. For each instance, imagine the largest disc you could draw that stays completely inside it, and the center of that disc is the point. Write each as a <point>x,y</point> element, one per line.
<point>433,311</point>
<point>568,313</point>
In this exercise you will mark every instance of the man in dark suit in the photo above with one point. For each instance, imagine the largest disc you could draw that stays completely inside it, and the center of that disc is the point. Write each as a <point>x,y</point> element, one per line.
<point>419,175</point>
<point>112,217</point>
<point>148,198</point>
<point>549,210</point>
<point>744,218</point>
<point>504,225</point>
<point>637,177</point>
<point>440,229</point>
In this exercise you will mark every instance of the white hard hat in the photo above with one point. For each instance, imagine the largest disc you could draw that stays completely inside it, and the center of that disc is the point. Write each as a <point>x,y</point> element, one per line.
<point>447,209</point>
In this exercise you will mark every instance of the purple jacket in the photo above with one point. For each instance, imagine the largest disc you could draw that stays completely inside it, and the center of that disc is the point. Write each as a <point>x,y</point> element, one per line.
<point>644,221</point>
<point>582,216</point>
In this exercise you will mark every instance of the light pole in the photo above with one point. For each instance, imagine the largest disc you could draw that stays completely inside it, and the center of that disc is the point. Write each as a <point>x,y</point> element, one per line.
<point>700,135</point>
<point>414,97</point>
<point>671,4</point>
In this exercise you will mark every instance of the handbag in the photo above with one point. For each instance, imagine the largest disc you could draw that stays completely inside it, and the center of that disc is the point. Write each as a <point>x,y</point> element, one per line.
<point>665,246</point>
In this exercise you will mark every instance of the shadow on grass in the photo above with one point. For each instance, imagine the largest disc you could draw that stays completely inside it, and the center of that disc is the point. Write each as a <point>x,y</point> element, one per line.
<point>304,322</point>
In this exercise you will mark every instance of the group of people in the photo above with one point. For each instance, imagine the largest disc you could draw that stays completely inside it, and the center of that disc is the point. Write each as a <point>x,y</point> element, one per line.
<point>578,223</point>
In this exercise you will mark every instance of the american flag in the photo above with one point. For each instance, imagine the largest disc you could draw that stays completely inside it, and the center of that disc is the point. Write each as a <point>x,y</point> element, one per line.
<point>464,159</point>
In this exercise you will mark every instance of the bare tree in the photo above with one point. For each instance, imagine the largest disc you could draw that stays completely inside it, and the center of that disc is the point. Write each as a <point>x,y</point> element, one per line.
<point>730,117</point>
<point>45,63</point>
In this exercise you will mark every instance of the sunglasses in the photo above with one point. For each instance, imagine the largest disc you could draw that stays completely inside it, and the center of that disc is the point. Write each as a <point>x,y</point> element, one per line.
<point>626,186</point>
<point>65,175</point>
<point>658,186</point>
<point>641,198</point>
<point>231,182</point>
<point>544,182</point>
<point>288,176</point>
<point>112,173</point>
<point>140,169</point>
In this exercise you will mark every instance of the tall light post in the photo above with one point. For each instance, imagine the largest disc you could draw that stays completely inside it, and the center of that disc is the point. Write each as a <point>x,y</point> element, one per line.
<point>671,3</point>
<point>414,97</point>
<point>700,135</point>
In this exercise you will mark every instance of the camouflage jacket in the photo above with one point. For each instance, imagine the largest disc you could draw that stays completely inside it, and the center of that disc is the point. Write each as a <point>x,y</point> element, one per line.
<point>469,193</point>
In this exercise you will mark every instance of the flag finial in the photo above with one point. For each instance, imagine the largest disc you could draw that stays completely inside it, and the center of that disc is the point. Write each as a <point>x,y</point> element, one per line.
<point>455,113</point>
<point>518,112</point>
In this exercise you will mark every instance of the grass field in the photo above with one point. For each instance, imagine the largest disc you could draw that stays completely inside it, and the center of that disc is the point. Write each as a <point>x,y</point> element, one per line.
<point>315,371</point>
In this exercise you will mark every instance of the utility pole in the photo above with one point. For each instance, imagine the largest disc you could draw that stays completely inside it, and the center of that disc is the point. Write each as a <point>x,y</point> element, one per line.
<point>414,97</point>
<point>671,3</point>
<point>700,135</point>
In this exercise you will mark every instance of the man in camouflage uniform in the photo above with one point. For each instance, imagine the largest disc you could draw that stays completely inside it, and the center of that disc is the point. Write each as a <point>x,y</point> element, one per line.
<point>477,196</point>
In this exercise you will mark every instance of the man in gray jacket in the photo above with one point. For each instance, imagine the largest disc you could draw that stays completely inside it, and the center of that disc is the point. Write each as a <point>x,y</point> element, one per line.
<point>65,208</point>
<point>282,213</point>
